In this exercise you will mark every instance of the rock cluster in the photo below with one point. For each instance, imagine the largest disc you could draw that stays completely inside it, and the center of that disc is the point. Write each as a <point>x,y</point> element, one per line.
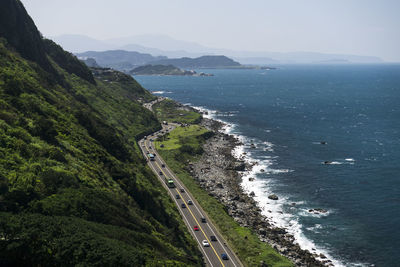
<point>217,172</point>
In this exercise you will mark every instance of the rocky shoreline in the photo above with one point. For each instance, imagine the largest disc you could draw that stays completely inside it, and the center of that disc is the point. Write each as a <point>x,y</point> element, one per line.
<point>219,173</point>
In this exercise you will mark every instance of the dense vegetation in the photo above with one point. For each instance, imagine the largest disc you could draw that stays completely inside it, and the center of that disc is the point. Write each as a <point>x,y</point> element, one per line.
<point>184,144</point>
<point>74,187</point>
<point>171,111</point>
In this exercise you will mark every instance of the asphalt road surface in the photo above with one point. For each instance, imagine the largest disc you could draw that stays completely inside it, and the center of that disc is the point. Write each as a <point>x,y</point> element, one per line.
<point>192,213</point>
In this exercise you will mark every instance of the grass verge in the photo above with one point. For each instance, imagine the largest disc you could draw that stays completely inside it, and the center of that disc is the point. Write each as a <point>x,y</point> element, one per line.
<point>170,111</point>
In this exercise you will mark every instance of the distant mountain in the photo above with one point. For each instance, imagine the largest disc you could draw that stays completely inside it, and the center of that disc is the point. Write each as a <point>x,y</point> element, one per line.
<point>120,59</point>
<point>162,42</point>
<point>200,62</point>
<point>160,52</point>
<point>91,62</point>
<point>167,46</point>
<point>76,43</point>
<point>164,70</point>
<point>299,58</point>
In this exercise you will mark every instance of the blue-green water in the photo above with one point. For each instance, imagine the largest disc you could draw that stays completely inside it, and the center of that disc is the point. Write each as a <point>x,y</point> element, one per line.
<point>286,113</point>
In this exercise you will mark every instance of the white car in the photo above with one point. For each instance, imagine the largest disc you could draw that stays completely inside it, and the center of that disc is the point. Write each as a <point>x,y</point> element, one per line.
<point>205,243</point>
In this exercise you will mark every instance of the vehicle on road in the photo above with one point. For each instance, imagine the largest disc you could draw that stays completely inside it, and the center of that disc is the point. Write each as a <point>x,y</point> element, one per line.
<point>224,256</point>
<point>213,238</point>
<point>177,197</point>
<point>189,202</point>
<point>203,220</point>
<point>160,173</point>
<point>163,165</point>
<point>196,228</point>
<point>205,243</point>
<point>151,156</point>
<point>169,182</point>
<point>182,190</point>
<point>183,205</point>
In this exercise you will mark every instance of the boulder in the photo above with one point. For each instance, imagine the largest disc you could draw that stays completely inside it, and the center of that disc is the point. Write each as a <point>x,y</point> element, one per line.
<point>238,166</point>
<point>273,197</point>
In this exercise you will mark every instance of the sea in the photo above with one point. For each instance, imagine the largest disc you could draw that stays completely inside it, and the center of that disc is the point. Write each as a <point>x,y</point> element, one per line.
<point>326,141</point>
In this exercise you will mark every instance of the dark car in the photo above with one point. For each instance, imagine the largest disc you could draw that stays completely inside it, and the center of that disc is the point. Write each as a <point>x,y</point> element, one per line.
<point>177,197</point>
<point>163,165</point>
<point>224,256</point>
<point>213,238</point>
<point>182,190</point>
<point>183,205</point>
<point>189,202</point>
<point>203,220</point>
<point>160,172</point>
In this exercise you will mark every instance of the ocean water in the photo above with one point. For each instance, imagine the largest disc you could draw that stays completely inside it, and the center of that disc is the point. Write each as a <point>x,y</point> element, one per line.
<point>286,113</point>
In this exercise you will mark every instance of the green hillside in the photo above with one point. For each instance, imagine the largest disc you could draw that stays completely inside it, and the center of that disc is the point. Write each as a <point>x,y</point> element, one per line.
<point>74,187</point>
<point>200,62</point>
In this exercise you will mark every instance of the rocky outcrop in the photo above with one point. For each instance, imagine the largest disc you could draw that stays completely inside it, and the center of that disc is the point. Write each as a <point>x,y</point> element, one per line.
<point>273,197</point>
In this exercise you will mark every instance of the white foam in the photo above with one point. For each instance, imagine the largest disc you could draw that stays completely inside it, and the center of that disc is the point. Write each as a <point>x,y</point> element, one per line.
<point>349,159</point>
<point>315,228</point>
<point>332,163</point>
<point>161,92</point>
<point>306,213</point>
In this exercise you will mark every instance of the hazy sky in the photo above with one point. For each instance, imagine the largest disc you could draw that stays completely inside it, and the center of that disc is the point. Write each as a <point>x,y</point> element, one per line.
<point>361,27</point>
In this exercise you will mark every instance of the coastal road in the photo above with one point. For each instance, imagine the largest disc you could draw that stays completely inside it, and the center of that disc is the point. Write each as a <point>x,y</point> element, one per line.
<point>192,213</point>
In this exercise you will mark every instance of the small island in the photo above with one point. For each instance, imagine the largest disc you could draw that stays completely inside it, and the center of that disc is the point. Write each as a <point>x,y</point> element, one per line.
<point>165,70</point>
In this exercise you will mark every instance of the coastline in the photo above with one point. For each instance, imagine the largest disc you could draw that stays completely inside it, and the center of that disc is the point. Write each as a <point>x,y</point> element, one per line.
<point>220,173</point>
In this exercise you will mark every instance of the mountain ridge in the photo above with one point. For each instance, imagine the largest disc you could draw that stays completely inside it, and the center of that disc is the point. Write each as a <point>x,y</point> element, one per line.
<point>210,61</point>
<point>120,59</point>
<point>185,50</point>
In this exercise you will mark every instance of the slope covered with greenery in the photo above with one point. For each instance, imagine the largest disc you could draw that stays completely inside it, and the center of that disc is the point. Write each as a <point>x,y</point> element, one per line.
<point>199,62</point>
<point>171,111</point>
<point>159,70</point>
<point>74,187</point>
